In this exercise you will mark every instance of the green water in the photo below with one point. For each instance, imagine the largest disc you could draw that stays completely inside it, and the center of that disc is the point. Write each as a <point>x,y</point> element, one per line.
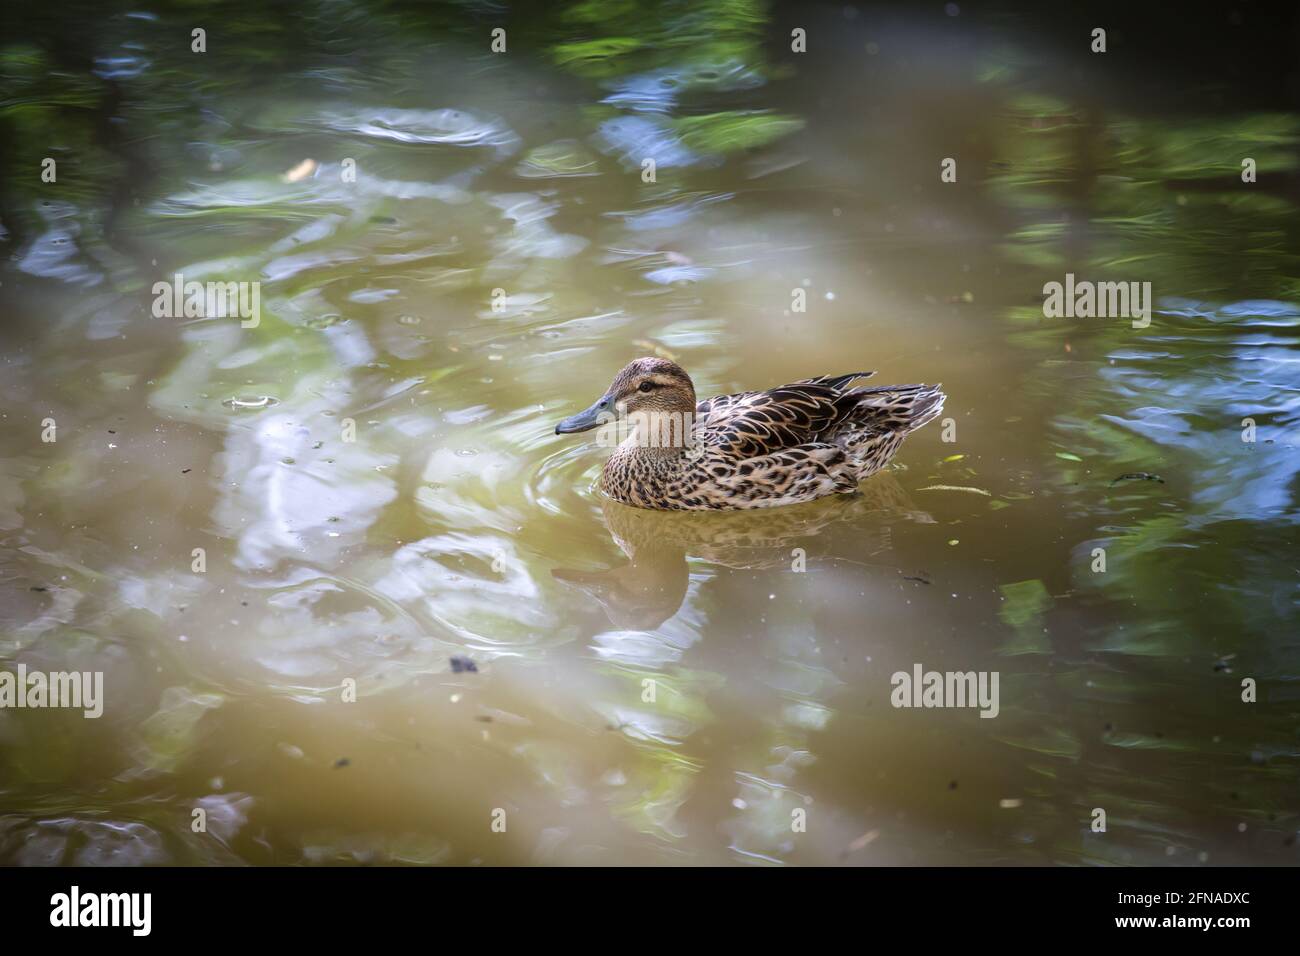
<point>372,475</point>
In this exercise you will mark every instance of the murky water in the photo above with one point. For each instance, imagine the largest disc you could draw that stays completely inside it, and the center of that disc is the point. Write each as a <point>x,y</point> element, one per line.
<point>240,527</point>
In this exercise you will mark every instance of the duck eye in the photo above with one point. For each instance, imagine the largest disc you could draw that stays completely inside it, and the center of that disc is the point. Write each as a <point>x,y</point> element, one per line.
<point>646,386</point>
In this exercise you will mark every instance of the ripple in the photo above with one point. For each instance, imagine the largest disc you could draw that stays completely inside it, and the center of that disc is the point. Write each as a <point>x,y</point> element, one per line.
<point>563,159</point>
<point>567,481</point>
<point>255,404</point>
<point>448,127</point>
<point>120,67</point>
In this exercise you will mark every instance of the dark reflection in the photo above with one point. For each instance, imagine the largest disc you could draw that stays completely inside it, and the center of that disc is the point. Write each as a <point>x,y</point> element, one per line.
<point>648,590</point>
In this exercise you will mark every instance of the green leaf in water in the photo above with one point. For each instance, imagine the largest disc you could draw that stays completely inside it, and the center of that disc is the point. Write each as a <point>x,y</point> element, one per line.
<point>595,58</point>
<point>736,130</point>
<point>1024,605</point>
<point>169,735</point>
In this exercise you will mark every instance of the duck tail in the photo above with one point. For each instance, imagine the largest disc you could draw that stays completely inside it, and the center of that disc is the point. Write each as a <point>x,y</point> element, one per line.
<point>882,418</point>
<point>836,382</point>
<point>898,408</point>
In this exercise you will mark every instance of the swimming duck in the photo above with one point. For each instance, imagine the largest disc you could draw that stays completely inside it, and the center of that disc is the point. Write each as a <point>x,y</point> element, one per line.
<point>786,445</point>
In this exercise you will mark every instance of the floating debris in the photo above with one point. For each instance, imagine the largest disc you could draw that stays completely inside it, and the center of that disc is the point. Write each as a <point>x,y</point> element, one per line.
<point>1137,476</point>
<point>462,664</point>
<point>863,840</point>
<point>966,488</point>
<point>301,171</point>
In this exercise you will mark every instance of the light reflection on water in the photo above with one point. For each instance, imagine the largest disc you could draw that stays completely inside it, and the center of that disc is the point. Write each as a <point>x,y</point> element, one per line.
<point>376,488</point>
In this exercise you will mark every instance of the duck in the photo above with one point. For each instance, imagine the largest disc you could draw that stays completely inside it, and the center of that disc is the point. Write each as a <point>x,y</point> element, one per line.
<point>762,449</point>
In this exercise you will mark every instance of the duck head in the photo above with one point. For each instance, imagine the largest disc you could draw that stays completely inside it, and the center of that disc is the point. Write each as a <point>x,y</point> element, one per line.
<point>644,388</point>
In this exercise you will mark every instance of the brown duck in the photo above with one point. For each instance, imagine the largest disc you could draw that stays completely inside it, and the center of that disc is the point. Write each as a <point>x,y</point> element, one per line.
<point>786,445</point>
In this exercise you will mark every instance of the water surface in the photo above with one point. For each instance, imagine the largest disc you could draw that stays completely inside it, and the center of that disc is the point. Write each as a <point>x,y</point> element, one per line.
<point>372,475</point>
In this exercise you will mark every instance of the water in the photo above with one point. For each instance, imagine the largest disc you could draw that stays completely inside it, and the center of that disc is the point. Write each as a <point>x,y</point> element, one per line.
<point>244,527</point>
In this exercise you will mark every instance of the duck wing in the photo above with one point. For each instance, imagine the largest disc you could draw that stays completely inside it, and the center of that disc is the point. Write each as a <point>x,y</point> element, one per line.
<point>717,406</point>
<point>721,405</point>
<point>760,423</point>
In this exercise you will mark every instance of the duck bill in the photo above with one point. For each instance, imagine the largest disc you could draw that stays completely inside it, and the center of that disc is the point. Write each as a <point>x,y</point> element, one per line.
<point>583,421</point>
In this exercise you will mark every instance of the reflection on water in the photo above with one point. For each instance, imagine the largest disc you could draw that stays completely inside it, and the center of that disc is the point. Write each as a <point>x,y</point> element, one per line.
<point>647,590</point>
<point>273,540</point>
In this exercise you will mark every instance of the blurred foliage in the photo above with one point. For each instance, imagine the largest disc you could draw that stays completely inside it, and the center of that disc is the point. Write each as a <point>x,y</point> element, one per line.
<point>729,132</point>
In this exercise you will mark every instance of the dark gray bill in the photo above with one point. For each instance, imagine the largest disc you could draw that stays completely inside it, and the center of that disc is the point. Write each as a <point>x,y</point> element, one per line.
<point>584,421</point>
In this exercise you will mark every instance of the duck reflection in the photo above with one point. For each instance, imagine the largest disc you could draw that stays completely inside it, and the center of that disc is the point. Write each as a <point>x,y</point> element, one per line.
<point>649,589</point>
